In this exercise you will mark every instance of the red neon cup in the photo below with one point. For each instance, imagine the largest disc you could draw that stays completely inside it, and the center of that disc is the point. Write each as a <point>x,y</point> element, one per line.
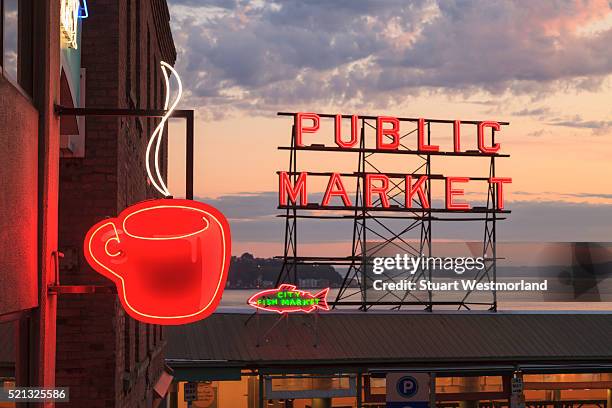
<point>169,259</point>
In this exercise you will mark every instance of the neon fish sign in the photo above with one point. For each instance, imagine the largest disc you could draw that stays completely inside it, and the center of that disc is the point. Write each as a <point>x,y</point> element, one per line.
<point>288,299</point>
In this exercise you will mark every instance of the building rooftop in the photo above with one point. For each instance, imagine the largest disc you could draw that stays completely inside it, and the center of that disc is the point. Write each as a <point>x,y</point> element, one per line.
<point>392,339</point>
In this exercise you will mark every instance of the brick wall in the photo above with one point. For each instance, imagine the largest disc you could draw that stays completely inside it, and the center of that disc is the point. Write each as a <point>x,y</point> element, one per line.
<point>104,356</point>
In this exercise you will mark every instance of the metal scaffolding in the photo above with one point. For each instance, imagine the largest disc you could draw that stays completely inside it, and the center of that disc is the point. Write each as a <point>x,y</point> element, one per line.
<point>378,231</point>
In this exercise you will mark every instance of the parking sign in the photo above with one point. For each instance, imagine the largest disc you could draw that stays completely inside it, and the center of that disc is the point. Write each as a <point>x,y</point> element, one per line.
<point>407,390</point>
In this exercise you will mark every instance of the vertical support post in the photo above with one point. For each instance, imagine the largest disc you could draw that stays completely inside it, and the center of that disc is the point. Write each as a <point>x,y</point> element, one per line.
<point>258,328</point>
<point>359,390</point>
<point>261,391</point>
<point>494,232</point>
<point>432,390</point>
<point>286,316</point>
<point>489,242</point>
<point>428,221</point>
<point>23,350</point>
<point>357,250</point>
<point>364,257</point>
<point>294,209</point>
<point>290,245</point>
<point>46,69</point>
<point>173,395</point>
<point>316,328</point>
<point>517,396</point>
<point>189,162</point>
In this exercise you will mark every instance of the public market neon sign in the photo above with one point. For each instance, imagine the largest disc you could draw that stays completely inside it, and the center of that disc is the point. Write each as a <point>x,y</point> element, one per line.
<point>169,258</point>
<point>377,185</point>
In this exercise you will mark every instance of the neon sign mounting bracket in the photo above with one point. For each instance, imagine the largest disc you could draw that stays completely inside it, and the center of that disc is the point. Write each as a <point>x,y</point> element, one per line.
<point>80,289</point>
<point>187,114</point>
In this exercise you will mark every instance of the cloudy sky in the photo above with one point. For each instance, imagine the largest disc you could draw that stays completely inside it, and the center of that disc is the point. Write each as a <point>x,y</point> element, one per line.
<point>546,67</point>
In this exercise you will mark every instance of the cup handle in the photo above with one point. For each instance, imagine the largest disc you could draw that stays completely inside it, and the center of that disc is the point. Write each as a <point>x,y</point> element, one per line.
<point>97,250</point>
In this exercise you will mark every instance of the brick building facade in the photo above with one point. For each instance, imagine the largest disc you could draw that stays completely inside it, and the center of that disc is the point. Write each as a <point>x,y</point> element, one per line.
<point>104,356</point>
<point>30,66</point>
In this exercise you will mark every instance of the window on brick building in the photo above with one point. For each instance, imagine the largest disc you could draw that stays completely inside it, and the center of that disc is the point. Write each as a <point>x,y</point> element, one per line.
<point>148,59</point>
<point>138,52</point>
<point>128,52</point>
<point>16,42</point>
<point>155,79</point>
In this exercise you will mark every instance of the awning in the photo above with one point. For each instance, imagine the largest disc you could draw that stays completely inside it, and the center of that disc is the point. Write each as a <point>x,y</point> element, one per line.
<point>394,339</point>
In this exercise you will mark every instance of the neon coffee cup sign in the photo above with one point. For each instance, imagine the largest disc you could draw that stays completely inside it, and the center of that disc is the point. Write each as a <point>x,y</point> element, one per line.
<point>169,258</point>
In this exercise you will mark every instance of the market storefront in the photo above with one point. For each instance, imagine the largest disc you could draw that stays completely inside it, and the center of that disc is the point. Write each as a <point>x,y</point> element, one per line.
<point>354,360</point>
<point>541,390</point>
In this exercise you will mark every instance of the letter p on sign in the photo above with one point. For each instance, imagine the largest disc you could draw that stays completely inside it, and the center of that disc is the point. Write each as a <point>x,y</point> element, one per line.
<point>407,386</point>
<point>407,390</point>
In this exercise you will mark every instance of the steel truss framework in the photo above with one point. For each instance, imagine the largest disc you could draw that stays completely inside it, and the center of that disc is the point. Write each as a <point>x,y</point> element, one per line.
<point>398,229</point>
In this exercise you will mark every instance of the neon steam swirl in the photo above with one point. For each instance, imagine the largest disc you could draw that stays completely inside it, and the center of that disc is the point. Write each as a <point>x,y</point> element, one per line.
<point>158,133</point>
